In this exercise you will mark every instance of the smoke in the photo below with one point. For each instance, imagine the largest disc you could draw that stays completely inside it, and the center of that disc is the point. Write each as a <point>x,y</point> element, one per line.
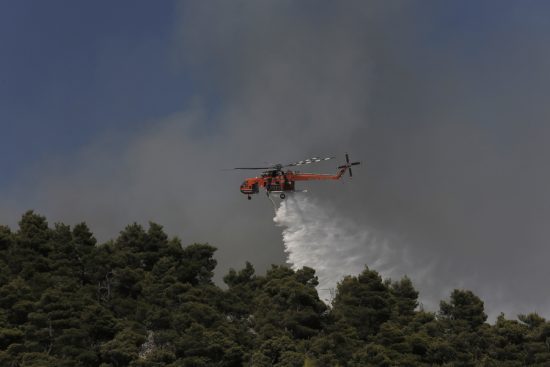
<point>334,246</point>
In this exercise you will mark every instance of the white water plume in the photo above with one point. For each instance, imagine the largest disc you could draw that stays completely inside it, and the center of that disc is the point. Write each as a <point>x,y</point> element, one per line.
<point>334,246</point>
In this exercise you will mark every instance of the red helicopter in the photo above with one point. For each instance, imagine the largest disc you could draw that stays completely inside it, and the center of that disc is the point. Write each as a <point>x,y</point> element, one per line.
<point>276,180</point>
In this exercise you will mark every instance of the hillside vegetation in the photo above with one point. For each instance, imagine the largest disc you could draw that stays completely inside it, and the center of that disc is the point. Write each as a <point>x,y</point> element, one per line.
<point>145,300</point>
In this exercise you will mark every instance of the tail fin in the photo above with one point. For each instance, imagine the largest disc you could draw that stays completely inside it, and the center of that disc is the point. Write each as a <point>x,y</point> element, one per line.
<point>348,166</point>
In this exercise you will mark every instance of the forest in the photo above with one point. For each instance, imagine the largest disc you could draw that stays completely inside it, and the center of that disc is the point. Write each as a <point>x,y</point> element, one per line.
<point>144,300</point>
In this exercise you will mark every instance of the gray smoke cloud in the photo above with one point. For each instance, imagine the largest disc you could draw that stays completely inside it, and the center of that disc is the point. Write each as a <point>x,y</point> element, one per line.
<point>448,118</point>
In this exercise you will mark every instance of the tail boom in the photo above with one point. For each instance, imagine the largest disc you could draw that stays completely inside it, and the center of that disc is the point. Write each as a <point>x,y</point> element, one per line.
<point>320,176</point>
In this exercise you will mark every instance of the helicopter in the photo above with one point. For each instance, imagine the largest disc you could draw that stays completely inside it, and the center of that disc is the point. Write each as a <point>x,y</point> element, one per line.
<point>274,179</point>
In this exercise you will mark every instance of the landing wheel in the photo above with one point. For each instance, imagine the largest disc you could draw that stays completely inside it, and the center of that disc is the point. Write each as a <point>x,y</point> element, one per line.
<point>249,197</point>
<point>282,196</point>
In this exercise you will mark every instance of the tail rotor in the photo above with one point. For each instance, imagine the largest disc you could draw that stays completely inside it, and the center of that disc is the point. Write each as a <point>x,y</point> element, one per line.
<point>348,165</point>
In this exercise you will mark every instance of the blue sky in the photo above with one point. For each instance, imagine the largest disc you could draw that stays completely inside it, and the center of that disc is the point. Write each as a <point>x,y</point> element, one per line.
<point>71,70</point>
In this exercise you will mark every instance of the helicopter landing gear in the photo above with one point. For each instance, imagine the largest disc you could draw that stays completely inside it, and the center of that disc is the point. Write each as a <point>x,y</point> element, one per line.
<point>282,196</point>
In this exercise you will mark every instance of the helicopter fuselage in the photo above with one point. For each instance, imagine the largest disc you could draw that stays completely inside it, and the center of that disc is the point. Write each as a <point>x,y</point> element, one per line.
<point>283,181</point>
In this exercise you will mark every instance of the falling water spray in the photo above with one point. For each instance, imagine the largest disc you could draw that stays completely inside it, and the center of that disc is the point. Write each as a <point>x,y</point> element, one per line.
<point>317,237</point>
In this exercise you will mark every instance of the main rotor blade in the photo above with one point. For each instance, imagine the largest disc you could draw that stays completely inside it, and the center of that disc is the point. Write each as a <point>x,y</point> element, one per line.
<point>308,161</point>
<point>253,167</point>
<point>350,173</point>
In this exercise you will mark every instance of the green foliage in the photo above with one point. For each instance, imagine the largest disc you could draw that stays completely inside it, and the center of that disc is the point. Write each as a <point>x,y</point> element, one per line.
<point>464,309</point>
<point>124,347</point>
<point>144,300</point>
<point>34,232</point>
<point>6,238</point>
<point>405,298</point>
<point>288,301</point>
<point>198,264</point>
<point>363,302</point>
